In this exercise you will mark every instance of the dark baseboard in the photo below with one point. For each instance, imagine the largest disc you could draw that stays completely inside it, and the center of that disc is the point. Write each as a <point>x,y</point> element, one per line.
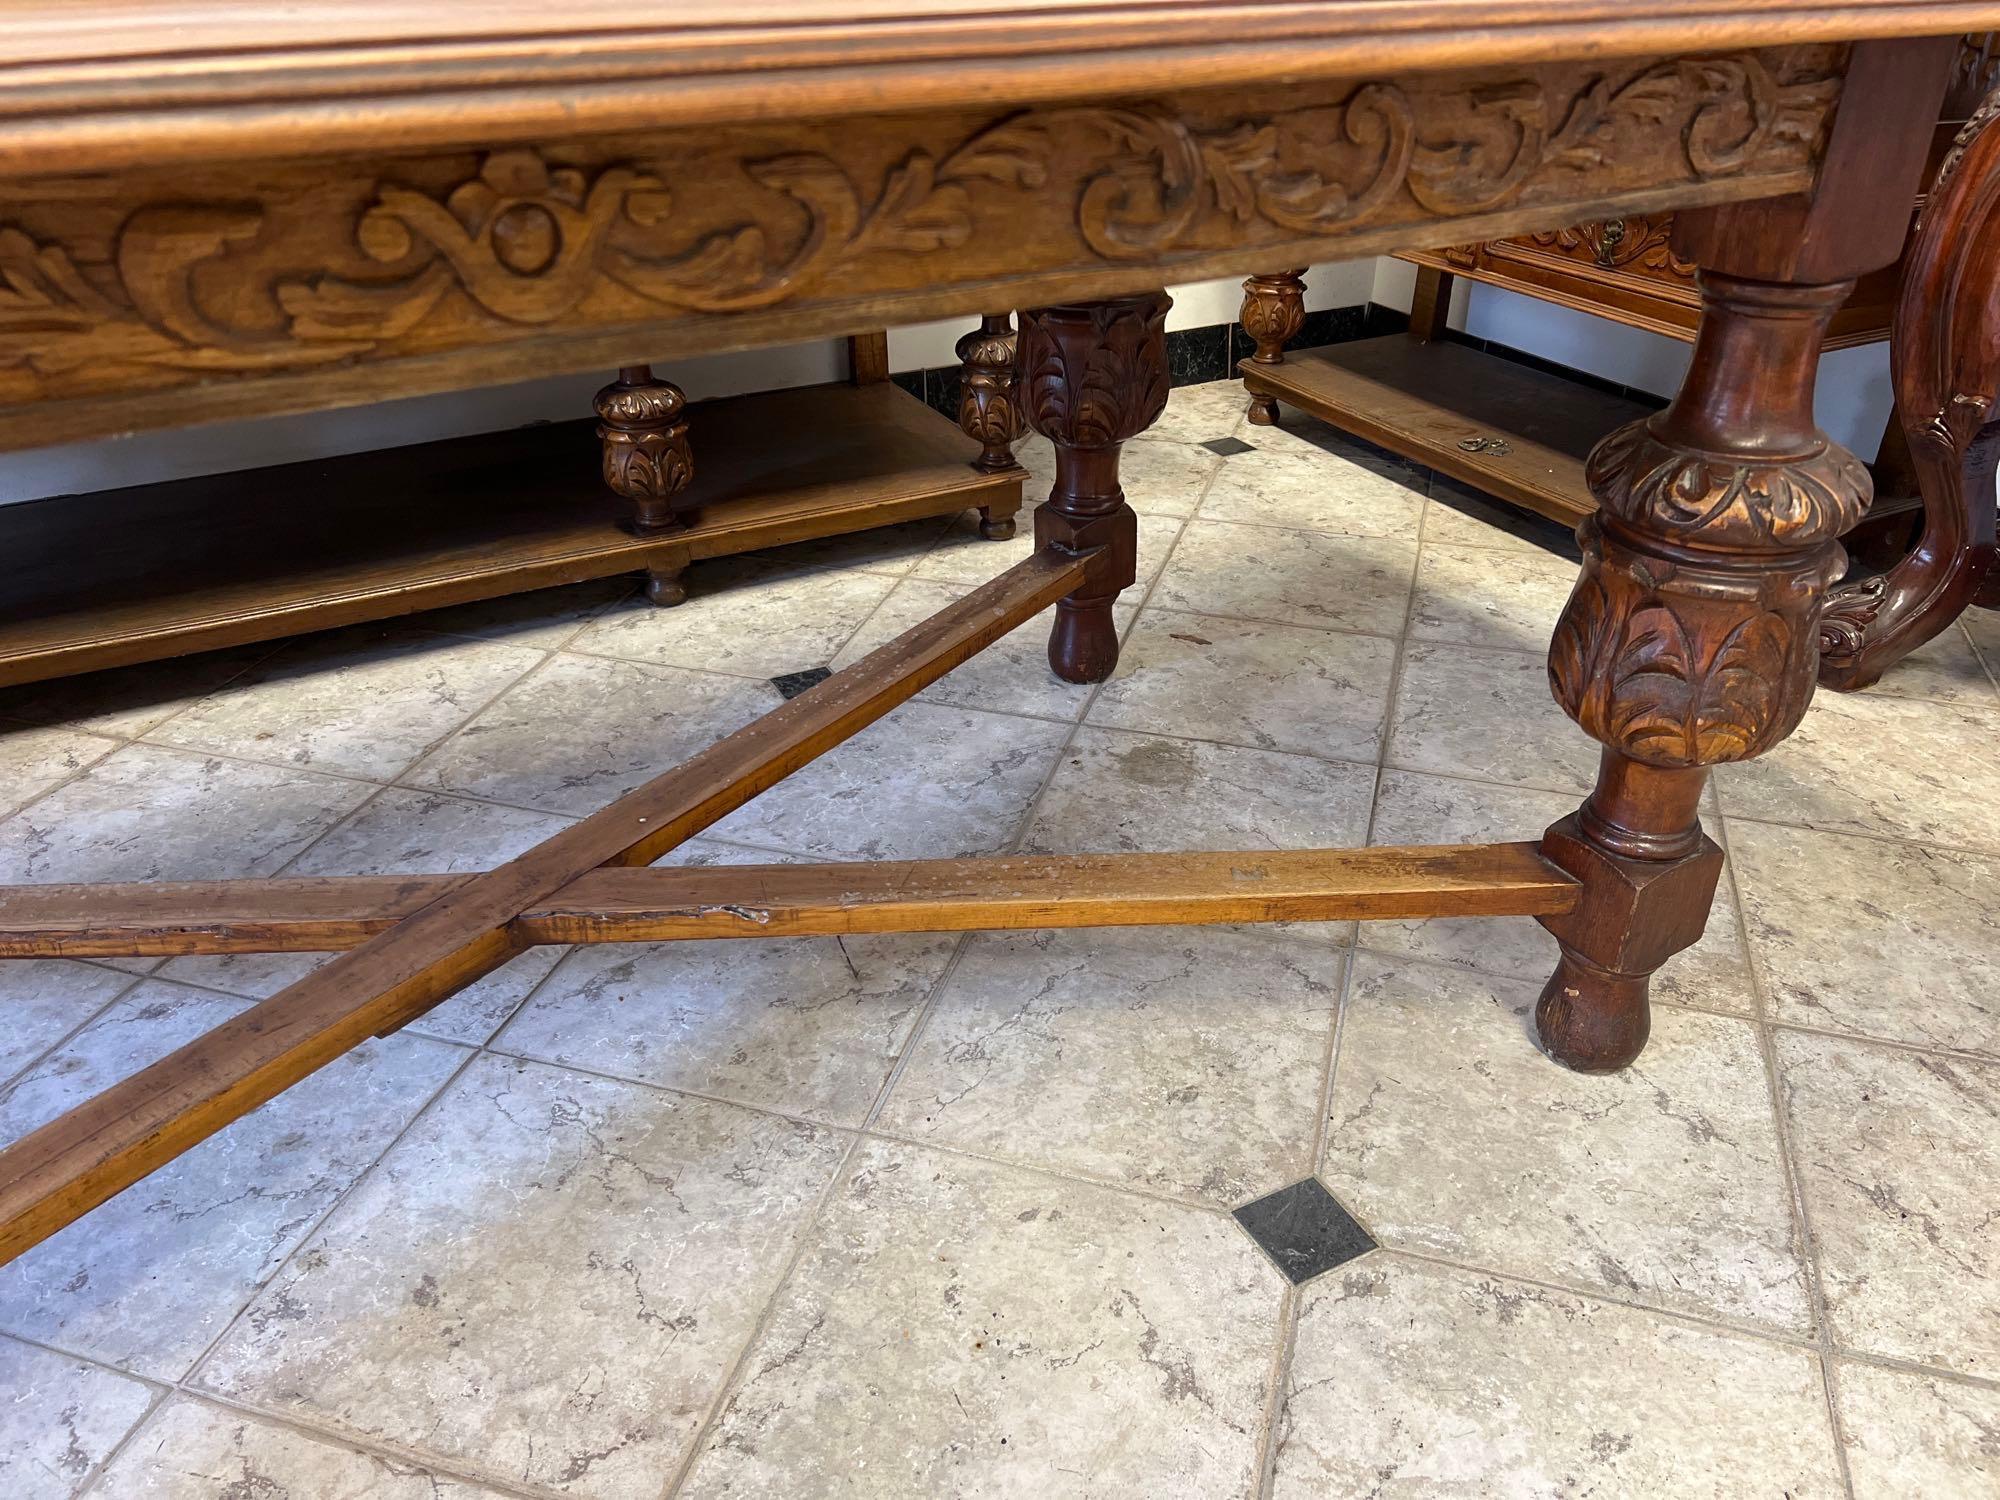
<point>1196,356</point>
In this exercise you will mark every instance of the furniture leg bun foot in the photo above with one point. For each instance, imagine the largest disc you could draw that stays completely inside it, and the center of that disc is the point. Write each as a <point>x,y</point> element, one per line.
<point>1083,645</point>
<point>1264,411</point>
<point>1592,1020</point>
<point>664,587</point>
<point>996,528</point>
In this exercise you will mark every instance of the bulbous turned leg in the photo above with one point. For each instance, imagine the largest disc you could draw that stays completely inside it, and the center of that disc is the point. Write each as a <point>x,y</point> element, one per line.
<point>988,408</point>
<point>1095,375</point>
<point>1274,310</point>
<point>641,423</point>
<point>1689,641</point>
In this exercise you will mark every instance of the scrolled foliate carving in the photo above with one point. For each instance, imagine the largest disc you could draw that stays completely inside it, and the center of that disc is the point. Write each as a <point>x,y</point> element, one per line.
<point>1722,500</point>
<point>298,265</point>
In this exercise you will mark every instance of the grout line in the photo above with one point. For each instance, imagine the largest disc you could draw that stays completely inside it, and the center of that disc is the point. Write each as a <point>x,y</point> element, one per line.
<point>1806,1243</point>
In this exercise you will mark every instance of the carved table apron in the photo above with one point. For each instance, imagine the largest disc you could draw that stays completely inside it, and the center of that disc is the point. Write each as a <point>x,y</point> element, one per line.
<point>227,221</point>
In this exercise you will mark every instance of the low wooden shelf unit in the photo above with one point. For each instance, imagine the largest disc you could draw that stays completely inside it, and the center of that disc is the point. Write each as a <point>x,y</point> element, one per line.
<point>134,575</point>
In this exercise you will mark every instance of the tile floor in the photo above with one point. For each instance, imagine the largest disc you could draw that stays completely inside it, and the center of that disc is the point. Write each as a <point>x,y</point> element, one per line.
<point>936,1216</point>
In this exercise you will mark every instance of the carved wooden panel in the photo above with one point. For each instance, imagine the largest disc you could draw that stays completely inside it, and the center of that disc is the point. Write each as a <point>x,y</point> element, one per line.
<point>266,287</point>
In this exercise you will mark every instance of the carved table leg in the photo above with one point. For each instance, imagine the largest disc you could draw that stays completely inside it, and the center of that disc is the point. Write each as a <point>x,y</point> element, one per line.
<point>1274,310</point>
<point>1690,640</point>
<point>988,409</point>
<point>1096,375</point>
<point>642,425</point>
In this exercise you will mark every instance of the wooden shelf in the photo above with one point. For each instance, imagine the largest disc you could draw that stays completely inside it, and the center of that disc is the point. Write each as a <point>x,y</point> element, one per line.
<point>124,576</point>
<point>1424,399</point>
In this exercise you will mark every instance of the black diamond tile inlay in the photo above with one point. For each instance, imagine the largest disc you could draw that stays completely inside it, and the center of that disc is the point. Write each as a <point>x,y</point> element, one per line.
<point>1304,1229</point>
<point>1228,445</point>
<point>791,684</point>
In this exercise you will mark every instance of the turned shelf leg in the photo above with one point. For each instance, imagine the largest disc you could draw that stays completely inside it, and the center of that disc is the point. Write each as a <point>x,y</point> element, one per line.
<point>1274,310</point>
<point>1095,375</point>
<point>1689,641</point>
<point>988,408</point>
<point>643,427</point>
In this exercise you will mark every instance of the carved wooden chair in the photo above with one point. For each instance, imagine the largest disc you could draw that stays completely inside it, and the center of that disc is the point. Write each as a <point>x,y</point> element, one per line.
<point>1945,367</point>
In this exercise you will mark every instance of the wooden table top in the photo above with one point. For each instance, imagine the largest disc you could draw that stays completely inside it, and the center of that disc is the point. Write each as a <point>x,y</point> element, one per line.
<point>91,85</point>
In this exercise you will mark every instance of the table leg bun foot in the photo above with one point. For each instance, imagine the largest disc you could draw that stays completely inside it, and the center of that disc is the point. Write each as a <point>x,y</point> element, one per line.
<point>665,588</point>
<point>1264,411</point>
<point>1083,645</point>
<point>996,528</point>
<point>1592,1020</point>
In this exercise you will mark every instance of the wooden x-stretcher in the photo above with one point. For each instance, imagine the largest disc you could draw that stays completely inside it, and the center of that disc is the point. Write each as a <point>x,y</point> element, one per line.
<point>410,942</point>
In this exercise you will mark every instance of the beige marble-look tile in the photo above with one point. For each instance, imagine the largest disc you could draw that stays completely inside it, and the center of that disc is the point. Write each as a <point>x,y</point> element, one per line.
<point>805,1026</point>
<point>1413,808</point>
<point>544,618</point>
<point>33,760</point>
<point>149,813</point>
<point>544,1281</point>
<point>1489,715</point>
<point>128,701</point>
<point>468,1017</point>
<point>1873,937</point>
<point>1899,1158</point>
<point>960,1327</point>
<point>962,555</point>
<point>1945,669</point>
<point>402,832</point>
<point>1339,488</point>
<point>1298,577</point>
<point>1251,682</point>
<point>1483,597</point>
<point>59,1418</point>
<point>1117,792</point>
<point>585,730</point>
<point>362,702</point>
<point>1912,1434</point>
<point>1865,763</point>
<point>1420,1382</point>
<point>147,1280</point>
<point>1461,516</point>
<point>1010,676</point>
<point>192,1450</point>
<point>44,1000</point>
<point>1200,413</point>
<point>1187,1060</point>
<point>927,782</point>
<point>1662,1184</point>
<point>758,628</point>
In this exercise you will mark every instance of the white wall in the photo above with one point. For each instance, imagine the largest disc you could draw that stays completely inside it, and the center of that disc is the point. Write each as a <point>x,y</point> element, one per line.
<point>1851,400</point>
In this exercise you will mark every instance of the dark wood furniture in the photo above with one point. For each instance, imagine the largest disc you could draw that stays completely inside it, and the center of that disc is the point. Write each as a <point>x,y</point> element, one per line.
<point>269,211</point>
<point>1521,433</point>
<point>127,576</point>
<point>1945,366</point>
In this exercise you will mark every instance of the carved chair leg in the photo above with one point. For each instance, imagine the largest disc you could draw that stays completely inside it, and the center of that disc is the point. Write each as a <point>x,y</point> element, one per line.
<point>1274,310</point>
<point>1096,375</point>
<point>1688,641</point>
<point>642,424</point>
<point>1945,348</point>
